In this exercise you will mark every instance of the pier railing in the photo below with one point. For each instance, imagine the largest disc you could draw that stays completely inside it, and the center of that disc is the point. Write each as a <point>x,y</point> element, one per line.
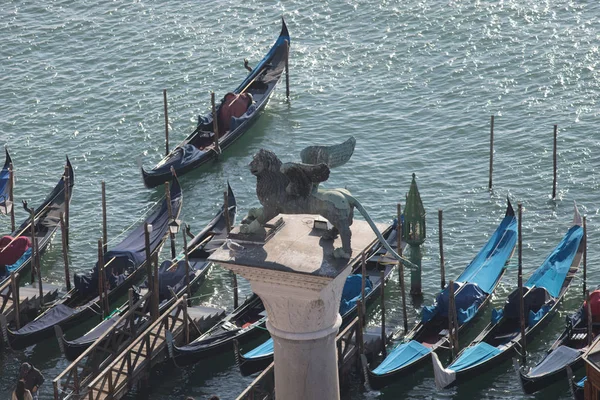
<point>72,382</point>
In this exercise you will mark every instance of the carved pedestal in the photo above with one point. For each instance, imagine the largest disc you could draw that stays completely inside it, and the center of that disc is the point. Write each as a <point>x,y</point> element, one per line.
<point>300,284</point>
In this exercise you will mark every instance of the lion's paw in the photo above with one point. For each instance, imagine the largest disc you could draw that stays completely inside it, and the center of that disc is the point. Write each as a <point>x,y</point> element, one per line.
<point>251,228</point>
<point>339,253</point>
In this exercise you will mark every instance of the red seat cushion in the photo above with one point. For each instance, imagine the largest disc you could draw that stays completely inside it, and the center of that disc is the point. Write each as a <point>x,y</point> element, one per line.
<point>9,255</point>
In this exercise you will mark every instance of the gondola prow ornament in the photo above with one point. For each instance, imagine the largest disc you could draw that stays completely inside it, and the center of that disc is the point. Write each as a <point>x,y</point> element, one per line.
<point>293,188</point>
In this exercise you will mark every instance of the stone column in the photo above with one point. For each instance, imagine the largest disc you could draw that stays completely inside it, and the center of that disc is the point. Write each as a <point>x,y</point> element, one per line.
<point>304,321</point>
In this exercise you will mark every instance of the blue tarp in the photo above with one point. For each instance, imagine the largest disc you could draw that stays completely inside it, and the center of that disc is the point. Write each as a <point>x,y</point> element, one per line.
<point>534,317</point>
<point>581,383</point>
<point>20,261</point>
<point>474,355</point>
<point>4,186</point>
<point>497,315</point>
<point>468,298</point>
<point>264,349</point>
<point>552,273</point>
<point>352,292</point>
<point>486,267</point>
<point>401,355</point>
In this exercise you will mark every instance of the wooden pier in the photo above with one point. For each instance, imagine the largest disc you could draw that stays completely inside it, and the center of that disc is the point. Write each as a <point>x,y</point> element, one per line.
<point>147,350</point>
<point>29,298</point>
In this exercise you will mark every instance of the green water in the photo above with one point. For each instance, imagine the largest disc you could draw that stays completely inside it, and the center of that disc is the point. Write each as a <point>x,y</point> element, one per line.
<point>414,81</point>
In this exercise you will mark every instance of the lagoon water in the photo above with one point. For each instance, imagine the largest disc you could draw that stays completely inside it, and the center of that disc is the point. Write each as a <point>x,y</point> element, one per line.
<point>414,81</point>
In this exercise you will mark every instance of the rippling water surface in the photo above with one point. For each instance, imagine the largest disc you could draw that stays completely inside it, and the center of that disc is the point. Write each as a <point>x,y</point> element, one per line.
<point>414,81</point>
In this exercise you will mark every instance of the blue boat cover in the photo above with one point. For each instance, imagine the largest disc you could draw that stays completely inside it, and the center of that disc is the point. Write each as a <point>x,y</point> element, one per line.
<point>481,275</point>
<point>534,317</point>
<point>497,315</point>
<point>552,273</point>
<point>20,261</point>
<point>4,186</point>
<point>474,355</point>
<point>556,360</point>
<point>468,298</point>
<point>581,383</point>
<point>486,267</point>
<point>351,293</point>
<point>401,355</point>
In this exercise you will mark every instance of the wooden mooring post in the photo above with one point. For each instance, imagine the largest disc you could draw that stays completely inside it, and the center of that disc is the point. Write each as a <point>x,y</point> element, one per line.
<point>452,322</point>
<point>363,283</point>
<point>170,210</point>
<point>383,335</point>
<point>32,233</point>
<point>554,158</point>
<point>14,289</point>
<point>520,285</point>
<point>101,277</point>
<point>67,201</point>
<point>590,331</point>
<point>491,151</point>
<point>215,123</point>
<point>584,256</point>
<point>401,267</point>
<point>441,240</point>
<point>65,251</point>
<point>187,265</point>
<point>104,225</point>
<point>166,122</point>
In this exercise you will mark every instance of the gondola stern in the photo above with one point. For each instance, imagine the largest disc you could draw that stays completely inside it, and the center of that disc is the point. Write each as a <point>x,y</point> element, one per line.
<point>520,376</point>
<point>71,174</point>
<point>61,338</point>
<point>443,377</point>
<point>8,158</point>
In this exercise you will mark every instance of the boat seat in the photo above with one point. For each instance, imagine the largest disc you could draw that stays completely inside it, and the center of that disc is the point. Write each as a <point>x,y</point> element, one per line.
<point>579,336</point>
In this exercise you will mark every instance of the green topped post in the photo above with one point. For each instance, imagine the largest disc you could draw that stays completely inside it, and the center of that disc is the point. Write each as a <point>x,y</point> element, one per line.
<point>413,231</point>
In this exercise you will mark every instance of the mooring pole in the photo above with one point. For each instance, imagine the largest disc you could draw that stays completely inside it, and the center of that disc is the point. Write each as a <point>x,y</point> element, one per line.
<point>166,122</point>
<point>215,123</point>
<point>187,264</point>
<point>33,257</point>
<point>132,314</point>
<point>363,283</point>
<point>584,257</point>
<point>14,288</point>
<point>170,210</point>
<point>401,267</point>
<point>520,284</point>
<point>451,327</point>
<point>101,277</point>
<point>155,289</point>
<point>226,210</point>
<point>359,332</point>
<point>65,251</point>
<point>555,162</point>
<point>287,69</point>
<point>441,240</point>
<point>383,338</point>
<point>590,335</point>
<point>491,151</point>
<point>67,201</point>
<point>11,178</point>
<point>104,225</point>
<point>38,264</point>
<point>234,276</point>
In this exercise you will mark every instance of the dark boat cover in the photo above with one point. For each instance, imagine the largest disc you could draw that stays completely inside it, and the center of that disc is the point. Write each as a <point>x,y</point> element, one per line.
<point>130,253</point>
<point>555,361</point>
<point>55,314</point>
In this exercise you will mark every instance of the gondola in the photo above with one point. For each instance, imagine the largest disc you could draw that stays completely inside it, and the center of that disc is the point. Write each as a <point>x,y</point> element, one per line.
<point>242,325</point>
<point>473,290</point>
<point>260,357</point>
<point>171,279</point>
<point>567,350</point>
<point>235,115</point>
<point>5,205</point>
<point>543,293</point>
<point>16,256</point>
<point>125,264</point>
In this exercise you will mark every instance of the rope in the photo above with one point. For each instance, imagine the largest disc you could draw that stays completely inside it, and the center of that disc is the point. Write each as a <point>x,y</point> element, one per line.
<point>142,217</point>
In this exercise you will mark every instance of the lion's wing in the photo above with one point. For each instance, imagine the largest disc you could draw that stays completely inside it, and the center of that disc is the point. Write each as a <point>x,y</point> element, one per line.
<point>303,176</point>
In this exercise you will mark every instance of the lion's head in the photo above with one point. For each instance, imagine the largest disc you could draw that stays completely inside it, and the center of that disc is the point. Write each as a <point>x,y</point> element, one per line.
<point>264,160</point>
